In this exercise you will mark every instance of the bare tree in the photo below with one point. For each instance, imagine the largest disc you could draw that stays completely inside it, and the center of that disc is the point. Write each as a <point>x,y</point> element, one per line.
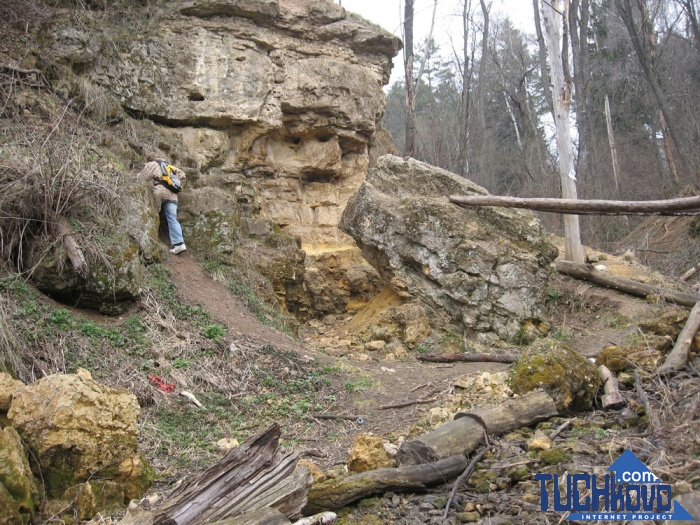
<point>635,15</point>
<point>555,16</point>
<point>411,83</point>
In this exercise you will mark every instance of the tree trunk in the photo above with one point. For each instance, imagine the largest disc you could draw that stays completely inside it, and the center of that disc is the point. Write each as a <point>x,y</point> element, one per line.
<point>587,273</point>
<point>337,493</point>
<point>410,128</point>
<point>678,357</point>
<point>463,160</point>
<point>256,475</point>
<point>555,14</point>
<point>644,43</point>
<point>466,431</point>
<point>578,24</point>
<point>682,206</point>
<point>542,55</point>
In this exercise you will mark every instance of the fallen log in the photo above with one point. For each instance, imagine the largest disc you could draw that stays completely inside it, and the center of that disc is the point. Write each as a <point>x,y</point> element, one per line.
<point>587,273</point>
<point>468,358</point>
<point>251,477</point>
<point>681,206</point>
<point>612,398</point>
<point>337,493</point>
<point>466,431</point>
<point>678,357</point>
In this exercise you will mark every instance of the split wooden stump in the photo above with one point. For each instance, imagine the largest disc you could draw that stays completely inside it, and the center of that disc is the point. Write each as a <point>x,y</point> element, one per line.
<point>612,398</point>
<point>257,475</point>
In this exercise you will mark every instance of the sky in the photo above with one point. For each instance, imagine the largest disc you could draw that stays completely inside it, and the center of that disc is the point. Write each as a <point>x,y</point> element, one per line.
<point>448,25</point>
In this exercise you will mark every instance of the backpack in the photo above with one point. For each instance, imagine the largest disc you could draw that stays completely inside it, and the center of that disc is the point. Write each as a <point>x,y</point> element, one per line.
<point>169,178</point>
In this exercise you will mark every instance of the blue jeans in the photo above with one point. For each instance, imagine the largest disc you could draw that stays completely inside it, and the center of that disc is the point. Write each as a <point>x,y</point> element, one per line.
<point>174,228</point>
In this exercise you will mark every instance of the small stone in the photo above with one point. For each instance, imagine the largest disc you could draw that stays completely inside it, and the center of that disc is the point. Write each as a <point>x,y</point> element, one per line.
<point>468,517</point>
<point>539,442</point>
<point>368,453</point>
<point>437,416</point>
<point>375,346</point>
<point>426,505</point>
<point>227,444</point>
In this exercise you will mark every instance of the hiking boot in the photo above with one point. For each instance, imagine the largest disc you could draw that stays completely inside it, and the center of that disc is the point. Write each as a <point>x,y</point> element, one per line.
<point>178,249</point>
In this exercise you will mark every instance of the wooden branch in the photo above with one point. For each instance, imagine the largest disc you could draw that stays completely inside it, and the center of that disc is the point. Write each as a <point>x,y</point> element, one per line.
<point>253,476</point>
<point>20,71</point>
<point>654,422</point>
<point>587,273</point>
<point>335,416</point>
<point>687,275</point>
<point>75,253</point>
<point>560,429</point>
<point>466,431</point>
<point>337,493</point>
<point>612,399</point>
<point>468,358</point>
<point>679,355</point>
<point>681,206</point>
<point>264,516</point>
<point>462,478</point>
<point>322,518</point>
<point>190,396</point>
<point>409,403</point>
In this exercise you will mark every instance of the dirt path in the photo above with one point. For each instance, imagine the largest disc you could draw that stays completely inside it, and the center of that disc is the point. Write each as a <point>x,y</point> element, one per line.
<point>361,386</point>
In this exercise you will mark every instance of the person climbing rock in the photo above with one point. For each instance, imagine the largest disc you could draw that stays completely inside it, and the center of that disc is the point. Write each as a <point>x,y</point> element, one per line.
<point>166,181</point>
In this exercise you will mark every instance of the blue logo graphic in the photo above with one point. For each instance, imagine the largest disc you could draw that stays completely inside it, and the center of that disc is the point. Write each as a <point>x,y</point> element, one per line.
<point>629,492</point>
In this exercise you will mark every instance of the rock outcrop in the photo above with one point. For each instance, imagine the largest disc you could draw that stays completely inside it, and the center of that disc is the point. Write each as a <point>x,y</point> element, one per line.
<point>480,269</point>
<point>270,106</point>
<point>78,429</point>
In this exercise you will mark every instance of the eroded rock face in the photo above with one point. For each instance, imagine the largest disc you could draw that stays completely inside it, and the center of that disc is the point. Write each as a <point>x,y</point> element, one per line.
<point>270,106</point>
<point>79,429</point>
<point>483,268</point>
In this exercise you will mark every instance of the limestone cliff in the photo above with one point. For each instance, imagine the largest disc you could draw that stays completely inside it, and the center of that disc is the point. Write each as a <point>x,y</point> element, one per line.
<point>270,106</point>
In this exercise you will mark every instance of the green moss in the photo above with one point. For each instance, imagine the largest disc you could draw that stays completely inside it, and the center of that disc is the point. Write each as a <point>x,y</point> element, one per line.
<point>553,456</point>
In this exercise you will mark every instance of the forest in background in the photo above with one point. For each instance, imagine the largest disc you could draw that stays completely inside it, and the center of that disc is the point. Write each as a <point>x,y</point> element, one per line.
<point>483,107</point>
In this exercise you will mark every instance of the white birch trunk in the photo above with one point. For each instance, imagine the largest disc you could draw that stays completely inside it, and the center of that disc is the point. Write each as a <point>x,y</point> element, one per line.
<point>554,13</point>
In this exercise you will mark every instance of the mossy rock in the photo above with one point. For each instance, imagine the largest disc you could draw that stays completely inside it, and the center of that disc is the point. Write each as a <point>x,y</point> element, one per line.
<point>19,494</point>
<point>571,379</point>
<point>619,358</point>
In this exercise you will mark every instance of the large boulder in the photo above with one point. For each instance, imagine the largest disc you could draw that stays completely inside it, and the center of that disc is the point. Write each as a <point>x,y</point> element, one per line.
<point>78,429</point>
<point>484,268</point>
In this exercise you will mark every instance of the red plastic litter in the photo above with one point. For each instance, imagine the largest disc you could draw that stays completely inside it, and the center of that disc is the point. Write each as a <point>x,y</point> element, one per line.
<point>160,383</point>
